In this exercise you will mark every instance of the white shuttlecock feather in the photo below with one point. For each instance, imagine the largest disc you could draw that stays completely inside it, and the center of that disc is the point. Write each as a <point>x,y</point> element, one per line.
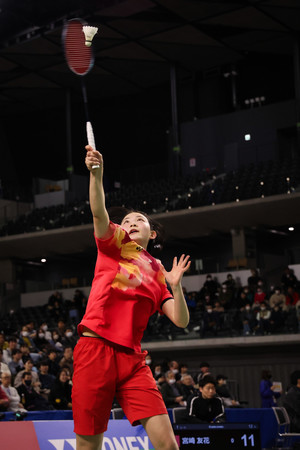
<point>89,33</point>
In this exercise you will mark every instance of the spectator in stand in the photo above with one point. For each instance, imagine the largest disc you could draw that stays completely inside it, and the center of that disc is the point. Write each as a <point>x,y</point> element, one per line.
<point>3,367</point>
<point>56,297</point>
<point>289,279</point>
<point>278,299</point>
<point>67,359</point>
<point>263,316</point>
<point>183,369</point>
<point>48,335</point>
<point>292,402</point>
<point>61,390</point>
<point>28,367</point>
<point>276,319</point>
<point>210,286</point>
<point>174,367</point>
<point>253,280</point>
<point>241,300</point>
<point>157,371</point>
<point>3,342</point>
<point>69,340</point>
<point>218,310</point>
<point>204,372</point>
<point>57,341</point>
<point>188,386</point>
<point>230,283</point>
<point>206,407</point>
<point>4,400</point>
<point>267,390</point>
<point>75,307</point>
<point>292,297</point>
<point>248,320</point>
<point>46,379</point>
<point>171,391</point>
<point>224,393</point>
<point>58,311</point>
<point>61,327</point>
<point>30,398</point>
<point>12,394</point>
<point>259,297</point>
<point>40,341</point>
<point>16,364</point>
<point>226,297</point>
<point>249,294</point>
<point>191,301</point>
<point>148,361</point>
<point>26,339</point>
<point>54,367</point>
<point>209,322</point>
<point>7,353</point>
<point>31,329</point>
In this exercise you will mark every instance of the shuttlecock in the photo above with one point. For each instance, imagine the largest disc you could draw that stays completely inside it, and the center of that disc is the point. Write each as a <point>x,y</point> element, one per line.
<point>89,33</point>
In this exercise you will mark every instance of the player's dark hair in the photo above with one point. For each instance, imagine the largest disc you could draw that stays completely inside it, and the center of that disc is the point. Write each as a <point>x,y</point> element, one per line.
<point>117,214</point>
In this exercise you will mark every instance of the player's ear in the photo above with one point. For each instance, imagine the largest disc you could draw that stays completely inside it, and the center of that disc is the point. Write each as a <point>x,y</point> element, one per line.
<point>153,234</point>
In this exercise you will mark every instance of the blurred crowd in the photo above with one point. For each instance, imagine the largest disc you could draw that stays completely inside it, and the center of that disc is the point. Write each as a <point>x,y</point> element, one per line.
<point>36,356</point>
<point>254,309</point>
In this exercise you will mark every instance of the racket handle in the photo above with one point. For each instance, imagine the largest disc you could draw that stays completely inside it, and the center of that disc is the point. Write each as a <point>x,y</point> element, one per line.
<point>91,139</point>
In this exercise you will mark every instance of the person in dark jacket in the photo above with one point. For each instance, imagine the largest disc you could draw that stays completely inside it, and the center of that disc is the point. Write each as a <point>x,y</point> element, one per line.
<point>206,407</point>
<point>292,402</point>
<point>61,390</point>
<point>267,390</point>
<point>171,391</point>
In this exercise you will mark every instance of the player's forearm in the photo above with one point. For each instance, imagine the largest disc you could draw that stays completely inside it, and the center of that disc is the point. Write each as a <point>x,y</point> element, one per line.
<point>181,314</point>
<point>97,200</point>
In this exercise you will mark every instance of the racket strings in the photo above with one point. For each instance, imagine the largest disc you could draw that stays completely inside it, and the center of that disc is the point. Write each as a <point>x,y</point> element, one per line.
<point>78,55</point>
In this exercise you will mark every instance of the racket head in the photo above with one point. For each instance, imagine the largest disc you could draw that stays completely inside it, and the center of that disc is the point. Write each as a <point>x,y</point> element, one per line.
<point>79,57</point>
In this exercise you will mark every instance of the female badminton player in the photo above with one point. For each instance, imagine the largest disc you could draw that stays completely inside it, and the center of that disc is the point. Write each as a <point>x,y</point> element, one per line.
<point>129,286</point>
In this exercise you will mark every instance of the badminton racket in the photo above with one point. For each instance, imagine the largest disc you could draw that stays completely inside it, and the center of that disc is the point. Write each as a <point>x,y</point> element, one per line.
<point>77,39</point>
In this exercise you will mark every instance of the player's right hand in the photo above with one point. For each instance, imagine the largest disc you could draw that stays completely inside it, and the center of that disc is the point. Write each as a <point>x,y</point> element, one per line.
<point>93,158</point>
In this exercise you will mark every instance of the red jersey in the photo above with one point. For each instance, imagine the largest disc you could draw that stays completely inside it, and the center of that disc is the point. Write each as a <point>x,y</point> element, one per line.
<point>128,287</point>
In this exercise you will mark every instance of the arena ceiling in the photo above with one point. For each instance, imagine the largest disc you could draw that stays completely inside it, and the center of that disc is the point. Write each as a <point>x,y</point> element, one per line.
<point>137,42</point>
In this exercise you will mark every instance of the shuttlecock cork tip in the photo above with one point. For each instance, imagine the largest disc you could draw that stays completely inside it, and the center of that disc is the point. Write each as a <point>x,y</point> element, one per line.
<point>89,33</point>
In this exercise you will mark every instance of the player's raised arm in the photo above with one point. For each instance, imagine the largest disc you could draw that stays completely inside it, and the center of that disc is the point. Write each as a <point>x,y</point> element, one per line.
<point>96,192</point>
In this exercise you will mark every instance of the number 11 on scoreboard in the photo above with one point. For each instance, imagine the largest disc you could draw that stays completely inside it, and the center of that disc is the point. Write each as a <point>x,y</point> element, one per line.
<point>250,438</point>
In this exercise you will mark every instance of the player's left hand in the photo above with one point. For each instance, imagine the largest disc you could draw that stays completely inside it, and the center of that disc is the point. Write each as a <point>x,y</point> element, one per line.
<point>179,268</point>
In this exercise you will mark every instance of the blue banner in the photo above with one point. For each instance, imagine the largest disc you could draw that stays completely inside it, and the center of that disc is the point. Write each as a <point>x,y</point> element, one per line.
<point>120,435</point>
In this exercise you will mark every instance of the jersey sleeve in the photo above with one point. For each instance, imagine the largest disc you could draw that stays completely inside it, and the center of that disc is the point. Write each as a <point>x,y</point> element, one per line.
<point>165,296</point>
<point>114,242</point>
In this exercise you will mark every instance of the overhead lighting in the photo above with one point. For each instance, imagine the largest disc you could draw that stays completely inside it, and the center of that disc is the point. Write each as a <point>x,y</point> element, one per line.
<point>247,137</point>
<point>291,229</point>
<point>43,260</point>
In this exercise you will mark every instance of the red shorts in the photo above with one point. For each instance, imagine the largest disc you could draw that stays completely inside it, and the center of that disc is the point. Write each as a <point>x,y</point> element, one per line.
<point>104,370</point>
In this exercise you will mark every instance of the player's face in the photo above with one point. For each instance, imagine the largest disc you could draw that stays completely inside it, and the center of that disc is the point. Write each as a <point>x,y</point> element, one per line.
<point>138,228</point>
<point>208,391</point>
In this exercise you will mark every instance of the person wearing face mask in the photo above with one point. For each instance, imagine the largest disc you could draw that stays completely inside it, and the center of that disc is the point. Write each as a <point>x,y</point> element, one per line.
<point>45,329</point>
<point>248,320</point>
<point>263,320</point>
<point>278,299</point>
<point>26,339</point>
<point>172,392</point>
<point>259,296</point>
<point>30,398</point>
<point>69,340</point>
<point>28,367</point>
<point>267,390</point>
<point>209,322</point>
<point>210,286</point>
<point>40,341</point>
